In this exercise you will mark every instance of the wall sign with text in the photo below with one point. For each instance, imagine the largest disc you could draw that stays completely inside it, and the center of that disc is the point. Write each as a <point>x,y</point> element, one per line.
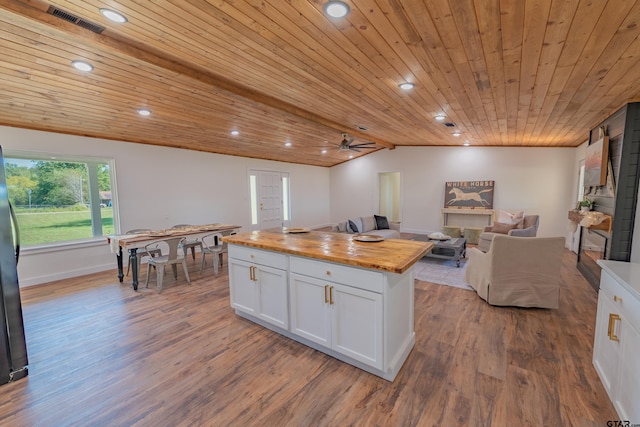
<point>468,195</point>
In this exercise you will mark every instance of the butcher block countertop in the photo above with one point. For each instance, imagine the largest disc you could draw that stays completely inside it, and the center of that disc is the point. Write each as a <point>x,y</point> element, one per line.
<point>392,255</point>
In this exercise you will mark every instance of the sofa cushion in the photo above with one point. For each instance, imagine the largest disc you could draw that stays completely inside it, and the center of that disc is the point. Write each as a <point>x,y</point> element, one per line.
<point>506,217</point>
<point>341,227</point>
<point>368,223</point>
<point>355,225</point>
<point>381,222</point>
<point>387,234</point>
<point>502,228</point>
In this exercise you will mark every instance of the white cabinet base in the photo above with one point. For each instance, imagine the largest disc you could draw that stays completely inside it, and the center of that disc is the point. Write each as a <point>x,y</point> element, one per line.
<point>389,375</point>
<point>361,316</point>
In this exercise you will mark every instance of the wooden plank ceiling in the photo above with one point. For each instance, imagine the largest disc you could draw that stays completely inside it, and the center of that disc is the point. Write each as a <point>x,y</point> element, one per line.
<point>505,72</point>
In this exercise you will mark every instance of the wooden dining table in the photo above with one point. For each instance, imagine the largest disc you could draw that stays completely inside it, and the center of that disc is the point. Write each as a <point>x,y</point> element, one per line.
<point>133,242</point>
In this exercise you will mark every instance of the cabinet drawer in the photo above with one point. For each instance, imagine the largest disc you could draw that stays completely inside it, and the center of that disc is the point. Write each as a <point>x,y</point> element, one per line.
<point>627,305</point>
<point>258,256</point>
<point>368,280</point>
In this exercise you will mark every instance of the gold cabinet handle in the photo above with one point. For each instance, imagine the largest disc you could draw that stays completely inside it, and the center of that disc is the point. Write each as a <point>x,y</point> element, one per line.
<point>616,298</point>
<point>330,294</point>
<point>611,328</point>
<point>326,294</point>
<point>252,273</point>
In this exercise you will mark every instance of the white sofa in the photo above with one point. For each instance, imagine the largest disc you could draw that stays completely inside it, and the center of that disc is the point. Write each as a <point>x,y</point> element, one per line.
<point>374,224</point>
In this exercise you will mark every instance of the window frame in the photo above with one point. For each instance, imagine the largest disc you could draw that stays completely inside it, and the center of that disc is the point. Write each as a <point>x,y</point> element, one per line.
<point>58,157</point>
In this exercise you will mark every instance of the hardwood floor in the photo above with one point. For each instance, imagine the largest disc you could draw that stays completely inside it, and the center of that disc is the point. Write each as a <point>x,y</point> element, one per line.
<point>102,354</point>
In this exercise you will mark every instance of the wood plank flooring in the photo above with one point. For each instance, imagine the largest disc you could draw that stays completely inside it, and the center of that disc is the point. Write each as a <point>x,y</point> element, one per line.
<point>101,354</point>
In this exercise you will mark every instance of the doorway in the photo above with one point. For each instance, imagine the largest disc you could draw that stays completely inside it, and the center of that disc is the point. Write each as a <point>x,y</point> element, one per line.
<point>269,194</point>
<point>389,195</point>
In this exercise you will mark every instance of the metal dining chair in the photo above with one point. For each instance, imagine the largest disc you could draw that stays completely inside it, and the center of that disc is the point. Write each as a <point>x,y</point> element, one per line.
<point>212,244</point>
<point>151,252</point>
<point>225,246</point>
<point>171,258</point>
<point>189,244</point>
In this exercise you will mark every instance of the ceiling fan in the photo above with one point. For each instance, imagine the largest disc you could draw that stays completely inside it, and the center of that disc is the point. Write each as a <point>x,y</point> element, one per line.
<point>347,144</point>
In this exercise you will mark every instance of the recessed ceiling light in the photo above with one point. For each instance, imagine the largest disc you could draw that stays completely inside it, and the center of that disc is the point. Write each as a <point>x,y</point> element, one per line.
<point>287,144</point>
<point>406,86</point>
<point>456,133</point>
<point>144,112</point>
<point>440,117</point>
<point>235,132</point>
<point>351,156</point>
<point>336,9</point>
<point>324,151</point>
<point>114,16</point>
<point>82,66</point>
<point>467,143</point>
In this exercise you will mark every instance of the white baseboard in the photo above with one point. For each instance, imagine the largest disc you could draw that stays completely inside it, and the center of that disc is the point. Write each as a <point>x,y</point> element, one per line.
<point>67,275</point>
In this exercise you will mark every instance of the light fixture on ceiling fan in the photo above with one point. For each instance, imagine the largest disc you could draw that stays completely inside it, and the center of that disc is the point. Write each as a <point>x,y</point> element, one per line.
<point>347,144</point>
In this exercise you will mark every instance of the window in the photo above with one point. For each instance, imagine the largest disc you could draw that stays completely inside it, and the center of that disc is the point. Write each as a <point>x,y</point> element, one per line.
<point>59,199</point>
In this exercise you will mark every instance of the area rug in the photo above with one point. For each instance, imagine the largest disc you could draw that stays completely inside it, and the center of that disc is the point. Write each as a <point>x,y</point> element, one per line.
<point>442,272</point>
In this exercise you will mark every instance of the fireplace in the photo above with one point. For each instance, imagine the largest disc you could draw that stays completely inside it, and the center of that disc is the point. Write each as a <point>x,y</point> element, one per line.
<point>593,246</point>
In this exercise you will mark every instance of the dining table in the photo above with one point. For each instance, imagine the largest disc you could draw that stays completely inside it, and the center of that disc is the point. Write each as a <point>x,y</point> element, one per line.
<point>133,242</point>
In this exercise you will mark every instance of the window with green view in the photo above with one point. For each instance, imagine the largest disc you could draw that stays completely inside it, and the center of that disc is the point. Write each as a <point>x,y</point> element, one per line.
<point>59,200</point>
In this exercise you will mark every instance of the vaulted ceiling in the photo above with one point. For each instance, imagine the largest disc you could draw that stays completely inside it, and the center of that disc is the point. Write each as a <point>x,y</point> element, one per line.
<point>504,72</point>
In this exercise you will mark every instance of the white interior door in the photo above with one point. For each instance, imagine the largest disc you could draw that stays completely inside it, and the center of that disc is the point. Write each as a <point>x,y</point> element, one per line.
<point>270,200</point>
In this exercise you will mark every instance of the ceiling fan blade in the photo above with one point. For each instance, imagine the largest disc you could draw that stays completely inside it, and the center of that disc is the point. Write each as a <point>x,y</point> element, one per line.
<point>364,145</point>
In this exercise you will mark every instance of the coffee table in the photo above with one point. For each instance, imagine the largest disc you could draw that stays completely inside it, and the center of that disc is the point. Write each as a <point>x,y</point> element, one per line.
<point>445,249</point>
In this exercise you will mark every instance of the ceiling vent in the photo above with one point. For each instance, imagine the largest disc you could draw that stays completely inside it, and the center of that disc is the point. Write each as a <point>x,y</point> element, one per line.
<point>58,13</point>
<point>450,124</point>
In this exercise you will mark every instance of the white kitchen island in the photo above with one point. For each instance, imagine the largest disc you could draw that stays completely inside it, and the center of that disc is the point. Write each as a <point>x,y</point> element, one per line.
<point>351,300</point>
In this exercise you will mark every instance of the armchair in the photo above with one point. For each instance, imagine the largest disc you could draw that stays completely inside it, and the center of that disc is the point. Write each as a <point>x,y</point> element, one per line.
<point>529,229</point>
<point>517,271</point>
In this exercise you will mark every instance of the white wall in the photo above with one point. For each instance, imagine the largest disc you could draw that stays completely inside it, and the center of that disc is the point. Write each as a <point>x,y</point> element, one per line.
<point>159,187</point>
<point>538,180</point>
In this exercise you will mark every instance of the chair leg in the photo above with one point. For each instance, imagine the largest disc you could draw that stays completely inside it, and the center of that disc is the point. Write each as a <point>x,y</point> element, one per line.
<point>160,274</point>
<point>175,271</point>
<point>186,272</point>
<point>215,264</point>
<point>221,262</point>
<point>193,252</point>
<point>203,261</point>
<point>146,282</point>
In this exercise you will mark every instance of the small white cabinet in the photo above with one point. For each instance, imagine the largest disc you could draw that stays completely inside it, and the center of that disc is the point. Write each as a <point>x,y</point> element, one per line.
<point>259,289</point>
<point>617,337</point>
<point>344,318</point>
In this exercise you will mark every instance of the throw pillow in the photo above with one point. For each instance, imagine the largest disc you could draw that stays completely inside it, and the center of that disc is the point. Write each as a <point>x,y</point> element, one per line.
<point>510,217</point>
<point>368,223</point>
<point>381,222</point>
<point>502,228</point>
<point>342,226</point>
<point>355,225</point>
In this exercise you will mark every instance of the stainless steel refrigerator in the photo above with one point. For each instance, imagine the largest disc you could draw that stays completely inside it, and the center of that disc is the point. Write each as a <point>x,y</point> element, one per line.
<point>13,346</point>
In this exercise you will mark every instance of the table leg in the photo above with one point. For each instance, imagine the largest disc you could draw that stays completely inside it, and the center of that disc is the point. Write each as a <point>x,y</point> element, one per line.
<point>119,261</point>
<point>133,260</point>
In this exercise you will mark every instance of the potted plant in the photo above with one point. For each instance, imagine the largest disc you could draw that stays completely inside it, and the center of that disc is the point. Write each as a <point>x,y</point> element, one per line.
<point>585,204</point>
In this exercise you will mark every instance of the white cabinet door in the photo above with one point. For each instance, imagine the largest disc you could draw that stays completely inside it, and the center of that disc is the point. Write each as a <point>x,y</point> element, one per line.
<point>606,352</point>
<point>346,319</point>
<point>356,320</point>
<point>310,309</point>
<point>627,399</point>
<point>242,288</point>
<point>272,304</point>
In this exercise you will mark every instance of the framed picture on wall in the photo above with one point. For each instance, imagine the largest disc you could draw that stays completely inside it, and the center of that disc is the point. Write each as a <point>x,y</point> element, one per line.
<point>595,163</point>
<point>469,195</point>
